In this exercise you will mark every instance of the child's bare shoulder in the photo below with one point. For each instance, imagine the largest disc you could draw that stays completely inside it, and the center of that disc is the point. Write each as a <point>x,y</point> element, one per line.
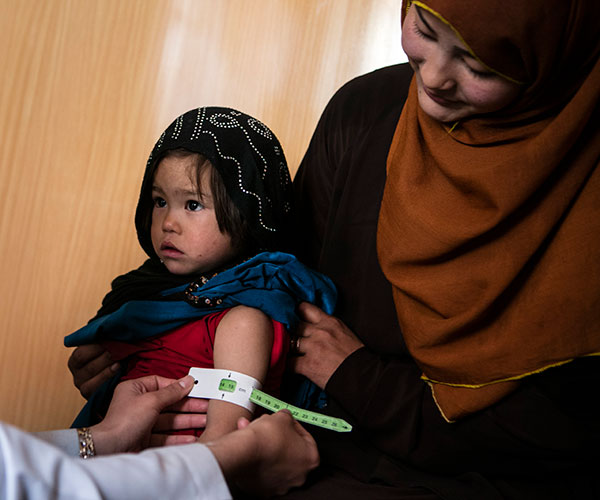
<point>246,317</point>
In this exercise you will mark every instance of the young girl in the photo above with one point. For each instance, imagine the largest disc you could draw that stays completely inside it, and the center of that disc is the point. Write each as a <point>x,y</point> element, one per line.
<point>215,203</point>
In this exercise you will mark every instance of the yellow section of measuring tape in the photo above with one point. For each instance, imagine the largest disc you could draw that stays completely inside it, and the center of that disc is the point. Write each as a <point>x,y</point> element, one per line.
<point>310,417</point>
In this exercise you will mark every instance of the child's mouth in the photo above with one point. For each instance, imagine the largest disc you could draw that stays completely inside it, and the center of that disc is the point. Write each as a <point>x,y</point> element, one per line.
<point>169,250</point>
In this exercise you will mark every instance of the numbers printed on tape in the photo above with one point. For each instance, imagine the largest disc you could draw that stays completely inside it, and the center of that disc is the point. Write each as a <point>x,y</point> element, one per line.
<point>309,417</point>
<point>227,385</point>
<point>242,390</point>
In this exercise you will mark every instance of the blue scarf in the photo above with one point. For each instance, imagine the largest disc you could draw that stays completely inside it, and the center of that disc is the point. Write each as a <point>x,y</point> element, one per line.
<point>273,282</point>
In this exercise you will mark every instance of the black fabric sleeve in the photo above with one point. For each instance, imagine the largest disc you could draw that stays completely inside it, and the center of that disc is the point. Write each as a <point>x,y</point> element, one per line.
<point>338,191</point>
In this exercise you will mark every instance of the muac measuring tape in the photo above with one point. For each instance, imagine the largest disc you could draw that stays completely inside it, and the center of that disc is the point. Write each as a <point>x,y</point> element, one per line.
<point>243,390</point>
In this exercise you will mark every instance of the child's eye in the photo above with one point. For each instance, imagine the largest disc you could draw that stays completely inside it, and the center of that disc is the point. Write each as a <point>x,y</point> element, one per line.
<point>159,202</point>
<point>193,205</point>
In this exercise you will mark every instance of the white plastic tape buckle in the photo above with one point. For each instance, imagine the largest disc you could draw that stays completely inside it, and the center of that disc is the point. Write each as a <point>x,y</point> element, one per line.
<point>225,385</point>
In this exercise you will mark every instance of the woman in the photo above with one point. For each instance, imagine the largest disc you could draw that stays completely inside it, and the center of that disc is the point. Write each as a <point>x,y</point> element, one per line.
<point>488,233</point>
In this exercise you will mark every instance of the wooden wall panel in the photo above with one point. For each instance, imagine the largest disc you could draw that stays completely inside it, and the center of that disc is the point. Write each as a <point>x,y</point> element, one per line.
<point>86,88</point>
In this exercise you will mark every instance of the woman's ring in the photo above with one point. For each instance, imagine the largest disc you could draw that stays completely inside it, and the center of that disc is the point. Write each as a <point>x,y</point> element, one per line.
<point>295,345</point>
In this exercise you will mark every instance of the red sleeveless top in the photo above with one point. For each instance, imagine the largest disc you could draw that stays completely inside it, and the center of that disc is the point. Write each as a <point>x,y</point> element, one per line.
<point>191,345</point>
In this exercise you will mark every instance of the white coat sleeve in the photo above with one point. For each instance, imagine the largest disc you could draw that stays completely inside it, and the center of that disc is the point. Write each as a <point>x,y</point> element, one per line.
<point>65,439</point>
<point>32,468</point>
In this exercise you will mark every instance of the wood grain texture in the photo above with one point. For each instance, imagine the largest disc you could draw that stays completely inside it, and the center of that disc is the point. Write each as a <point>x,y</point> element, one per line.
<point>87,87</point>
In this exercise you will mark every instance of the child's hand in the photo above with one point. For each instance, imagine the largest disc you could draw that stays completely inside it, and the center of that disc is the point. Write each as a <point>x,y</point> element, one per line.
<point>91,365</point>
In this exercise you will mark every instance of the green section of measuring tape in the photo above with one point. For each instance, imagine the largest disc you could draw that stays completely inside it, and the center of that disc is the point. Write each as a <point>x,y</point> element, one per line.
<point>227,385</point>
<point>310,417</point>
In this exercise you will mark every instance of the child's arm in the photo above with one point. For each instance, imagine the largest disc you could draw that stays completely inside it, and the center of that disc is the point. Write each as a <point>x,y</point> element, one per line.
<point>243,343</point>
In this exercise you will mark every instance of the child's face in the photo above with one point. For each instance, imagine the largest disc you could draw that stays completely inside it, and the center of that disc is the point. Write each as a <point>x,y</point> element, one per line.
<point>185,234</point>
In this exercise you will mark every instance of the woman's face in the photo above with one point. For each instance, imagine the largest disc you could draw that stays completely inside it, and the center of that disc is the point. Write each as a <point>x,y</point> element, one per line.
<point>452,84</point>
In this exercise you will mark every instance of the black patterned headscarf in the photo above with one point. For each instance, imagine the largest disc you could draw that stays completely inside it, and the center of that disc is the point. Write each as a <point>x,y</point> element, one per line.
<point>249,159</point>
<point>251,163</point>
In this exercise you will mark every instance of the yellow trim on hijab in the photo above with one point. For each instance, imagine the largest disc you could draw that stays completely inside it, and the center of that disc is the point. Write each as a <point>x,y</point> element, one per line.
<point>462,40</point>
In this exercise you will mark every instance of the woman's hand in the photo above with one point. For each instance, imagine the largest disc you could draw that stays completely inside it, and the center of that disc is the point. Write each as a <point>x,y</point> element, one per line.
<point>91,366</point>
<point>135,408</point>
<point>323,342</point>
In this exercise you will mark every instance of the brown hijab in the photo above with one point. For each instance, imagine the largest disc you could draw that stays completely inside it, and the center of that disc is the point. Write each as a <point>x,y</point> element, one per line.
<point>489,230</point>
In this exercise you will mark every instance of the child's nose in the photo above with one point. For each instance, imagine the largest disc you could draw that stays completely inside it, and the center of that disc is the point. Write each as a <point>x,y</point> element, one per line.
<point>170,222</point>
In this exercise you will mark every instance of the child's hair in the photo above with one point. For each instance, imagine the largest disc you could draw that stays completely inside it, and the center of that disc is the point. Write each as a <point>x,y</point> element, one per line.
<point>229,218</point>
<point>250,181</point>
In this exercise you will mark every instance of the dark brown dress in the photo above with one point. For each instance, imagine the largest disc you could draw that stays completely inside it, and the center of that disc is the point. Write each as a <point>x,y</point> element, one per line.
<point>541,441</point>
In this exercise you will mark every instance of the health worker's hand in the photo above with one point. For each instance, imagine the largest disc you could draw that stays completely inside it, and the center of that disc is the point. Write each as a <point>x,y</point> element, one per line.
<point>134,410</point>
<point>189,413</point>
<point>266,457</point>
<point>91,365</point>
